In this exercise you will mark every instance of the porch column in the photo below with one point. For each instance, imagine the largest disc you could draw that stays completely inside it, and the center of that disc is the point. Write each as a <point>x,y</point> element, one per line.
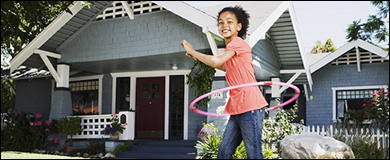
<point>274,95</point>
<point>61,104</point>
<point>218,100</point>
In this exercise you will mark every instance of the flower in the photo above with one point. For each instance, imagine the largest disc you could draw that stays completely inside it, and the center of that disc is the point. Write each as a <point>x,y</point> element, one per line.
<point>31,123</point>
<point>47,122</point>
<point>38,123</point>
<point>57,140</point>
<point>38,115</point>
<point>115,125</point>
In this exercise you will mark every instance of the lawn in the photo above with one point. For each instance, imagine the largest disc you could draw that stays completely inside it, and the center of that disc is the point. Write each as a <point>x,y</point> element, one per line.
<point>26,155</point>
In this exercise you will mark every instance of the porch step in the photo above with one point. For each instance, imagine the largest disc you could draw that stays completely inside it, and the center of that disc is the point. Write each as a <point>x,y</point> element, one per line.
<point>160,149</point>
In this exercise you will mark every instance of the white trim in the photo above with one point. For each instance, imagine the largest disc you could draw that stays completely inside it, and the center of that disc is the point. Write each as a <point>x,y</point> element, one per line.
<point>211,41</point>
<point>289,71</point>
<point>47,53</point>
<point>335,89</point>
<point>100,91</point>
<point>128,10</point>
<point>45,35</point>
<point>51,68</point>
<point>186,98</point>
<point>292,79</point>
<point>166,111</point>
<point>259,33</point>
<point>306,92</point>
<point>344,49</point>
<point>134,75</point>
<point>191,14</point>
<point>358,58</point>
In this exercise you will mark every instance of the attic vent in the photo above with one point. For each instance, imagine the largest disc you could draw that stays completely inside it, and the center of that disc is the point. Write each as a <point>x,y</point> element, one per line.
<point>116,10</point>
<point>365,57</point>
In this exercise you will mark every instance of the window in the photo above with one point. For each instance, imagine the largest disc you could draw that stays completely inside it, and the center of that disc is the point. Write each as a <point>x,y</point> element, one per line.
<point>122,94</point>
<point>352,100</point>
<point>85,97</point>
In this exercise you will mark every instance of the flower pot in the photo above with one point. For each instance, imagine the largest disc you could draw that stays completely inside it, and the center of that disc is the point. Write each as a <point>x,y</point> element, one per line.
<point>114,136</point>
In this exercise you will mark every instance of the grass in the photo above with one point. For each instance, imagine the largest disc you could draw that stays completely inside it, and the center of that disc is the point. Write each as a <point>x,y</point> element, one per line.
<point>26,155</point>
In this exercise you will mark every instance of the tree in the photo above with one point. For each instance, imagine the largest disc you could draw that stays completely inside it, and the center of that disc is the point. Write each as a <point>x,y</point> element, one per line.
<point>375,27</point>
<point>319,48</point>
<point>22,21</point>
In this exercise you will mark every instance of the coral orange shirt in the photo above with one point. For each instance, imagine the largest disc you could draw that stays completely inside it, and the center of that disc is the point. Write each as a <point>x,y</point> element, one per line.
<point>239,70</point>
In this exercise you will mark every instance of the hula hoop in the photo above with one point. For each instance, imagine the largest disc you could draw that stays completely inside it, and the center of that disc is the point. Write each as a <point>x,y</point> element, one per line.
<point>265,83</point>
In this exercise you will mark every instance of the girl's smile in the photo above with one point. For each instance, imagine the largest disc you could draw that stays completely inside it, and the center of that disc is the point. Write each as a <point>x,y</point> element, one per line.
<point>228,26</point>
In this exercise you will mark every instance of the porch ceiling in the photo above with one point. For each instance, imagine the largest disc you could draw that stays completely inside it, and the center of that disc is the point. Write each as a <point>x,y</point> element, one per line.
<point>284,39</point>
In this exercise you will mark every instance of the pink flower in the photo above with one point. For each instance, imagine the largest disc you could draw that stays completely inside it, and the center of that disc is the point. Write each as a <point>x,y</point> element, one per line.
<point>379,93</point>
<point>124,124</point>
<point>364,105</point>
<point>38,115</point>
<point>373,99</point>
<point>114,114</point>
<point>56,140</point>
<point>50,139</point>
<point>364,116</point>
<point>31,123</point>
<point>47,122</point>
<point>38,123</point>
<point>47,129</point>
<point>370,105</point>
<point>381,88</point>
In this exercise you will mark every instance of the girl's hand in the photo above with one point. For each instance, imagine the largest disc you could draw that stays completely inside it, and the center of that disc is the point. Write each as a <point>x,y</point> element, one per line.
<point>187,46</point>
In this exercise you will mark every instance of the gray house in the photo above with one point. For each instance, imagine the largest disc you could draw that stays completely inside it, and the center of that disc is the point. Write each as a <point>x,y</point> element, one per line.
<point>344,79</point>
<point>125,57</point>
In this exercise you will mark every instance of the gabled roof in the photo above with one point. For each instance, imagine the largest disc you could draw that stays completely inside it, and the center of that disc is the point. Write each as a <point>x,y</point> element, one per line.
<point>344,49</point>
<point>273,18</point>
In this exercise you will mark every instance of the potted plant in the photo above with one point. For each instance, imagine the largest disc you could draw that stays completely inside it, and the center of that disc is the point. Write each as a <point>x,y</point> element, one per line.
<point>69,126</point>
<point>115,128</point>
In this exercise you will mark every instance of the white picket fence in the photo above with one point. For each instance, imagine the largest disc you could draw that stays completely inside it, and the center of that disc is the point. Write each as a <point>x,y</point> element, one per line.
<point>330,131</point>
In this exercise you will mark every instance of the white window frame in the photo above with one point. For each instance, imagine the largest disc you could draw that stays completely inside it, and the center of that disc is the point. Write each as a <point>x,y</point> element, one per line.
<point>100,79</point>
<point>334,94</point>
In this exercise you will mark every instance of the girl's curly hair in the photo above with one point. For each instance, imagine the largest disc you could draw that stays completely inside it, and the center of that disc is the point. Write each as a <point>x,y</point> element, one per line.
<point>242,17</point>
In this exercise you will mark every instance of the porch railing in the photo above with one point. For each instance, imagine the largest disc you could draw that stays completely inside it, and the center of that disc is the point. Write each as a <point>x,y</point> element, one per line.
<point>93,126</point>
<point>331,130</point>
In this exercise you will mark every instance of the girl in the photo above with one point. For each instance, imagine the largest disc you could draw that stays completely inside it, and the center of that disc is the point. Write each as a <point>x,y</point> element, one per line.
<point>245,105</point>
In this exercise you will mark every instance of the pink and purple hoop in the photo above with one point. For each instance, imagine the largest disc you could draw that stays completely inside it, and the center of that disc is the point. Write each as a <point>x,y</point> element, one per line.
<point>265,83</point>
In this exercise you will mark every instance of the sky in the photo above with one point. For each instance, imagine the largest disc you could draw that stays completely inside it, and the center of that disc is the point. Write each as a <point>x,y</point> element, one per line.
<point>320,20</point>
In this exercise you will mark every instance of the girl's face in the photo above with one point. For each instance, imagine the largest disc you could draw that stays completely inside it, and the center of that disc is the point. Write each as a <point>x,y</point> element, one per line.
<point>228,26</point>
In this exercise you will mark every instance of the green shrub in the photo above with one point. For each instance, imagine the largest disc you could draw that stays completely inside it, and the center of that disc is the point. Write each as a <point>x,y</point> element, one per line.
<point>208,148</point>
<point>361,145</point>
<point>122,147</point>
<point>26,132</point>
<point>70,126</point>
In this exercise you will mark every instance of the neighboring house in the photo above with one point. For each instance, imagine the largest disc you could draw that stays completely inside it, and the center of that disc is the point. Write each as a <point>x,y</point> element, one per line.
<point>126,56</point>
<point>344,79</point>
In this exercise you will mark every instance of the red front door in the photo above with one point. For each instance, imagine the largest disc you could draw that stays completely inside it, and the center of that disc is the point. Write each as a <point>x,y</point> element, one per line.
<point>149,119</point>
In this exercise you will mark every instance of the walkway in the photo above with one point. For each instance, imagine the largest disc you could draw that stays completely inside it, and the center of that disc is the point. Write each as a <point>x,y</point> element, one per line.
<point>160,149</point>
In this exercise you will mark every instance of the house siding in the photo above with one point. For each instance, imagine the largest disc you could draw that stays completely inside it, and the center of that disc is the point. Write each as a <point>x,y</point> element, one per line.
<point>194,120</point>
<point>33,96</point>
<point>319,111</point>
<point>265,54</point>
<point>147,34</point>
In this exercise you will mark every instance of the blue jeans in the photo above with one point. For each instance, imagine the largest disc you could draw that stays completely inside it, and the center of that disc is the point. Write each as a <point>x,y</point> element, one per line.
<point>247,126</point>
